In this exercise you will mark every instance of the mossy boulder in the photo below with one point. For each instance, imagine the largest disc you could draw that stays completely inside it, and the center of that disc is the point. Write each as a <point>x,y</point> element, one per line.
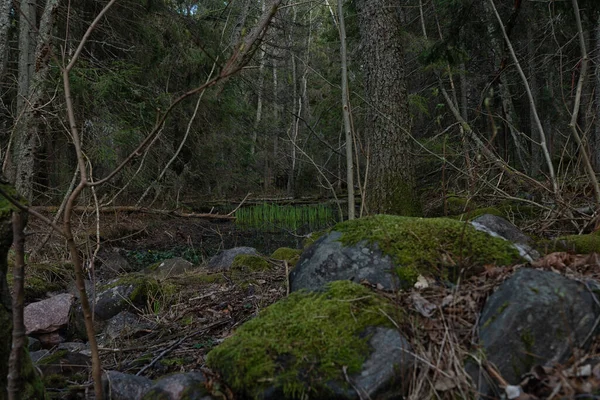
<point>393,251</point>
<point>287,254</point>
<point>579,244</point>
<point>298,347</point>
<point>123,294</point>
<point>250,263</point>
<point>245,266</point>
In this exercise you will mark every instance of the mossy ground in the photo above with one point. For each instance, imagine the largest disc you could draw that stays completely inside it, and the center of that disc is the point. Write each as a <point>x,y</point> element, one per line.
<point>432,246</point>
<point>42,278</point>
<point>288,254</point>
<point>302,342</point>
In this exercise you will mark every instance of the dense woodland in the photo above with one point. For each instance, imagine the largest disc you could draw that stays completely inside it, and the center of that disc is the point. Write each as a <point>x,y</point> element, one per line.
<point>490,100</point>
<point>414,108</point>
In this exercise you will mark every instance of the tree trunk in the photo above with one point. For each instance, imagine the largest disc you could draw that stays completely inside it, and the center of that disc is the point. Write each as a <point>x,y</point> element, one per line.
<point>33,72</point>
<point>4,25</point>
<point>392,178</point>
<point>346,113</point>
<point>259,92</point>
<point>504,84</point>
<point>293,131</point>
<point>596,142</point>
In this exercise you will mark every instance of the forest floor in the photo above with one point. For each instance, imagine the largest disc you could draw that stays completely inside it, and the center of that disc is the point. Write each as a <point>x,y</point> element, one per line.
<point>207,307</point>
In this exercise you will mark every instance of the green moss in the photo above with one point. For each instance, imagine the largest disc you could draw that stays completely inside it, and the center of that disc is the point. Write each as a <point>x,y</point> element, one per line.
<point>45,277</point>
<point>580,244</point>
<point>301,343</point>
<point>250,262</point>
<point>173,362</point>
<point>500,311</point>
<point>33,387</point>
<point>6,207</point>
<point>456,204</point>
<point>143,286</point>
<point>288,254</point>
<point>55,381</point>
<point>434,246</point>
<point>53,358</point>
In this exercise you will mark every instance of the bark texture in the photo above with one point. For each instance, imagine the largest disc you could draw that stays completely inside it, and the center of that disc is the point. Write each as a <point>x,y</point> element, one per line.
<point>33,72</point>
<point>4,25</point>
<point>391,187</point>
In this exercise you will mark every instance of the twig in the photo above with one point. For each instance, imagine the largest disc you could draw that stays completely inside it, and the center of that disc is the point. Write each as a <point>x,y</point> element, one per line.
<point>239,205</point>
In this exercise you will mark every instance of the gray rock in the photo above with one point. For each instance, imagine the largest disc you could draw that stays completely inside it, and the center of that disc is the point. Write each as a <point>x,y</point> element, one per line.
<point>120,297</point>
<point>386,373</point>
<point>535,317</point>
<point>329,260</point>
<point>500,227</point>
<point>112,262</point>
<point>224,260</point>
<point>120,386</point>
<point>126,325</point>
<point>48,315</point>
<point>63,362</point>
<point>168,268</point>
<point>186,386</point>
<point>38,354</point>
<point>33,344</point>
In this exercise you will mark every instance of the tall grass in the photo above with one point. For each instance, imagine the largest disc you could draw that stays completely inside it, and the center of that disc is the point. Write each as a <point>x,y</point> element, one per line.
<point>269,216</point>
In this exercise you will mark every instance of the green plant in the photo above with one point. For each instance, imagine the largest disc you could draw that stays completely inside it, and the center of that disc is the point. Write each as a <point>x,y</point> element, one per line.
<point>268,216</point>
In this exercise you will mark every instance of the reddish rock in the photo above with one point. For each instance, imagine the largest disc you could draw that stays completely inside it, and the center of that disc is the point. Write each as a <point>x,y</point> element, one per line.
<point>48,315</point>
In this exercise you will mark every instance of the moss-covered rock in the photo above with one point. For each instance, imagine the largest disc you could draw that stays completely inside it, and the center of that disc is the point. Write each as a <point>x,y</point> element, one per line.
<point>125,293</point>
<point>579,244</point>
<point>300,345</point>
<point>250,263</point>
<point>428,246</point>
<point>288,254</point>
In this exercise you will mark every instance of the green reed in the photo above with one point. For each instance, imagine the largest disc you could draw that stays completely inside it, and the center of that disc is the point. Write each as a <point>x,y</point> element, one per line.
<point>269,216</point>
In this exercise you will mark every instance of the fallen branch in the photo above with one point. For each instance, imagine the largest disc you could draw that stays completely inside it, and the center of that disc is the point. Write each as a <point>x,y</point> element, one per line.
<point>133,209</point>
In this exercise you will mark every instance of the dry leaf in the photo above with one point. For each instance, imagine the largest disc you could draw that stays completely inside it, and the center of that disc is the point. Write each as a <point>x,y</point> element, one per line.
<point>423,306</point>
<point>443,383</point>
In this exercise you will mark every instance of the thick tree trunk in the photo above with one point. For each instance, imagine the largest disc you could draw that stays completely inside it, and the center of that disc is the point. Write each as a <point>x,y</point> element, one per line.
<point>392,179</point>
